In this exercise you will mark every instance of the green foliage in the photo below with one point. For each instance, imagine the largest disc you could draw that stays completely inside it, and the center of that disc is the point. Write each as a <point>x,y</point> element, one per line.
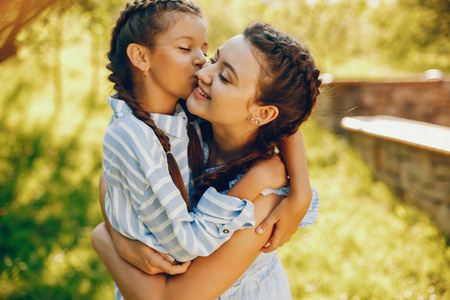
<point>51,124</point>
<point>350,39</point>
<point>365,245</point>
<point>414,34</point>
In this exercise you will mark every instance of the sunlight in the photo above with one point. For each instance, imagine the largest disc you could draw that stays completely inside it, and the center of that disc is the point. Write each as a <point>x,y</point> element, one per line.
<point>408,131</point>
<point>366,243</point>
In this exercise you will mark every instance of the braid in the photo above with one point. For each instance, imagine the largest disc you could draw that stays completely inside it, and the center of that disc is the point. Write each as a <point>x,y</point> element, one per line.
<point>289,81</point>
<point>195,150</point>
<point>141,22</point>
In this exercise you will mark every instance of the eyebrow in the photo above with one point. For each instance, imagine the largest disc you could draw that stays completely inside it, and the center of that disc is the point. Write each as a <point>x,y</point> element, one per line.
<point>189,38</point>
<point>226,64</point>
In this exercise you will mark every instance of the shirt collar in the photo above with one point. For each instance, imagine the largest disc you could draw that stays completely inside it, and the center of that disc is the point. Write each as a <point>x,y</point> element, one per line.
<point>171,124</point>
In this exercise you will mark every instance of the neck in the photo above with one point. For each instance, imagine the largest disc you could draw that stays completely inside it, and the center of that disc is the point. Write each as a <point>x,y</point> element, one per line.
<point>152,101</point>
<point>228,144</point>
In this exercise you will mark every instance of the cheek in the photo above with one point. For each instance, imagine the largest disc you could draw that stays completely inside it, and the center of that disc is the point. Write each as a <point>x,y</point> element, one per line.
<point>183,64</point>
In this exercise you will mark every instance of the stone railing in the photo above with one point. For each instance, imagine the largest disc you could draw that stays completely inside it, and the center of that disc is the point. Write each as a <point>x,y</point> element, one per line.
<point>412,157</point>
<point>426,101</point>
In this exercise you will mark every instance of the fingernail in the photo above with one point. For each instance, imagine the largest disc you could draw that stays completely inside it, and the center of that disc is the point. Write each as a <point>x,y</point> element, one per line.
<point>170,258</point>
<point>259,230</point>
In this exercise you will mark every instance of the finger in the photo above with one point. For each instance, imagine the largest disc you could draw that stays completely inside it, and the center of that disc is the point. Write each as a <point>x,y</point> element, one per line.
<point>268,222</point>
<point>156,264</point>
<point>163,266</point>
<point>267,244</point>
<point>274,243</point>
<point>269,249</point>
<point>149,268</point>
<point>167,257</point>
<point>178,269</point>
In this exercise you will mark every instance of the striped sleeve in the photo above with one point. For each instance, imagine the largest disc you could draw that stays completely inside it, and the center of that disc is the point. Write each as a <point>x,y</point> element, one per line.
<point>144,199</point>
<point>313,210</point>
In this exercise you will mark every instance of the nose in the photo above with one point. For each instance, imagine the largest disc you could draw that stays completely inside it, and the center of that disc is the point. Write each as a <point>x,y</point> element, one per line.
<point>205,73</point>
<point>199,59</point>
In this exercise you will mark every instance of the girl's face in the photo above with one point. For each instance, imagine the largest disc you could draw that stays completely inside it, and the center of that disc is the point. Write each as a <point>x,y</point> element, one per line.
<point>227,85</point>
<point>177,56</point>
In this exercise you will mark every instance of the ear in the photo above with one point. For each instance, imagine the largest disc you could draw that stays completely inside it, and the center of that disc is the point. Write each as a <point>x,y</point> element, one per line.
<point>139,56</point>
<point>266,114</point>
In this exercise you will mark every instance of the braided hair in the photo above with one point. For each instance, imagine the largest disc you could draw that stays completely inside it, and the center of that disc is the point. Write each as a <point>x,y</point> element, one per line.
<point>141,22</point>
<point>289,81</point>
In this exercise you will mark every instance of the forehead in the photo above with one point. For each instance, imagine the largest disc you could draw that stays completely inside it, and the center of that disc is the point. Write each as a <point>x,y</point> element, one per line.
<point>237,52</point>
<point>184,25</point>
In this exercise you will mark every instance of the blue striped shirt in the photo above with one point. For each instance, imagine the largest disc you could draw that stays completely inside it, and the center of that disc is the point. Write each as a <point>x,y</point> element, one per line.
<point>143,203</point>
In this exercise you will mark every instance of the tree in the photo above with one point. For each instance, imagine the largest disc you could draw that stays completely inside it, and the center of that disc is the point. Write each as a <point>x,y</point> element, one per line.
<point>15,15</point>
<point>414,33</point>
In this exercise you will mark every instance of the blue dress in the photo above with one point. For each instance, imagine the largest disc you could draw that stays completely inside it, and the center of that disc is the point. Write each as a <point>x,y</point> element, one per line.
<point>266,279</point>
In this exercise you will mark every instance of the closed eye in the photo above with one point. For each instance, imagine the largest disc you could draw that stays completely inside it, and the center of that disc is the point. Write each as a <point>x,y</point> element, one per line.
<point>223,78</point>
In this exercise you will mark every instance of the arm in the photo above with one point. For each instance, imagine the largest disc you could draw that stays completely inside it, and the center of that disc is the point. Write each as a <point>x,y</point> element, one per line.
<point>150,261</point>
<point>140,192</point>
<point>135,252</point>
<point>217,271</point>
<point>291,211</point>
<point>270,173</point>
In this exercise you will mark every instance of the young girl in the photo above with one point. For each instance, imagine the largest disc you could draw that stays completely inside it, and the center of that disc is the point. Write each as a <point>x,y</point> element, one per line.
<point>260,87</point>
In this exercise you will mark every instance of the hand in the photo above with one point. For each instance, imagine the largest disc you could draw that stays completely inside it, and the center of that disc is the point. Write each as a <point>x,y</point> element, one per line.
<point>271,173</point>
<point>145,258</point>
<point>286,216</point>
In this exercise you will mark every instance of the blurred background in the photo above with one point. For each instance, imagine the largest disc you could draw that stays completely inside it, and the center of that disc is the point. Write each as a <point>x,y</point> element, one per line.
<point>373,240</point>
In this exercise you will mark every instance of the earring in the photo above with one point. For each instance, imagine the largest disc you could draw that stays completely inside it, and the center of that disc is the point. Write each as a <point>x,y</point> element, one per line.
<point>258,122</point>
<point>145,73</point>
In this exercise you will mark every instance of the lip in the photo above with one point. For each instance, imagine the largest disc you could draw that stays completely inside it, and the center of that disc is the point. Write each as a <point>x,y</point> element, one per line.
<point>200,96</point>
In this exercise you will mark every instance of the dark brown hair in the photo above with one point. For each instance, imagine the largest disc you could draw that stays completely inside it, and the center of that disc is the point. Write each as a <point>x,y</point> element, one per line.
<point>142,22</point>
<point>289,81</point>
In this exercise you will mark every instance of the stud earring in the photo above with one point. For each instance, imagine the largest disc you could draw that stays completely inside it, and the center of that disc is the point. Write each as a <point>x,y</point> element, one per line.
<point>258,122</point>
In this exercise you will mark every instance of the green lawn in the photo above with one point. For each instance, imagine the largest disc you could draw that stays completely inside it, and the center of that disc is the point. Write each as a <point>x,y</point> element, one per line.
<point>365,245</point>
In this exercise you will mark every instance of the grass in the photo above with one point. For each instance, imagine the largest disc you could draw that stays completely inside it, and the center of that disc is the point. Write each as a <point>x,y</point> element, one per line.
<point>365,245</point>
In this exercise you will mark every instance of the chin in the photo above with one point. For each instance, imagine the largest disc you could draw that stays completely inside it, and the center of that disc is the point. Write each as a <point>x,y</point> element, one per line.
<point>190,103</point>
<point>194,107</point>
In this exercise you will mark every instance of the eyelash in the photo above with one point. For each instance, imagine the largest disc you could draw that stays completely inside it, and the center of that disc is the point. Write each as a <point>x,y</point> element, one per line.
<point>185,49</point>
<point>221,77</point>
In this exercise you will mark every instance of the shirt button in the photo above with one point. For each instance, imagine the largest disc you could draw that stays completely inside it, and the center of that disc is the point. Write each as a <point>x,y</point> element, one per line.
<point>226,231</point>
